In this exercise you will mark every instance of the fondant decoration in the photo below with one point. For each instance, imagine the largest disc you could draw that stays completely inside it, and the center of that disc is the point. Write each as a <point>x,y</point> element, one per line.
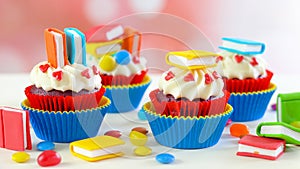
<point>97,148</point>
<point>137,138</point>
<point>76,46</point>
<point>122,57</point>
<point>142,151</point>
<point>48,158</point>
<point>165,158</point>
<point>14,129</point>
<point>45,145</point>
<point>239,130</point>
<point>56,47</point>
<point>107,63</point>
<point>142,130</point>
<point>242,46</point>
<point>20,157</point>
<point>261,147</point>
<point>288,132</point>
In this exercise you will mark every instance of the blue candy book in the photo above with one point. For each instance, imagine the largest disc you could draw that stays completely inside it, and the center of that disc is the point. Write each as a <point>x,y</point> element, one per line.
<point>242,46</point>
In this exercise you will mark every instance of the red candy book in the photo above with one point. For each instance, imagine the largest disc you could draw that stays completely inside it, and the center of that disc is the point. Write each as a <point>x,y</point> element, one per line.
<point>14,129</point>
<point>261,147</point>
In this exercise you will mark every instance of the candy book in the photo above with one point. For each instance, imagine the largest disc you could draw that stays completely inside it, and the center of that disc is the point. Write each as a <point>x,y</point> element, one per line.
<point>132,41</point>
<point>261,147</point>
<point>242,46</point>
<point>14,129</point>
<point>279,130</point>
<point>97,148</point>
<point>288,107</point>
<point>192,59</point>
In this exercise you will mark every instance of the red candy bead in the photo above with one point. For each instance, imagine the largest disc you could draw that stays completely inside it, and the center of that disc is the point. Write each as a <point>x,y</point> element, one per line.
<point>48,158</point>
<point>140,129</point>
<point>239,130</point>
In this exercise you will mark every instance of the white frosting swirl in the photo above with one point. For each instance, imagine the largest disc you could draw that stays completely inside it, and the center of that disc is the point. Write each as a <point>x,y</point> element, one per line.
<point>179,87</point>
<point>232,69</point>
<point>72,78</point>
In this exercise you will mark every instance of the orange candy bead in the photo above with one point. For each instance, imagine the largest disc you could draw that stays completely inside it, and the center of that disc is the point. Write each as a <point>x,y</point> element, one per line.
<point>239,130</point>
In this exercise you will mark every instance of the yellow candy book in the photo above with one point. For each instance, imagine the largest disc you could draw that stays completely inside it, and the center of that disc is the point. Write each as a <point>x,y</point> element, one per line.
<point>97,148</point>
<point>191,59</point>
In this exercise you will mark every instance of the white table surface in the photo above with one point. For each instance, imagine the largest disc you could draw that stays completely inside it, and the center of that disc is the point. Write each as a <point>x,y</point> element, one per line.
<point>223,154</point>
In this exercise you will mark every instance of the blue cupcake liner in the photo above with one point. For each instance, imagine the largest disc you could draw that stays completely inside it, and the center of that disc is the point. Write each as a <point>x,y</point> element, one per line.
<point>66,126</point>
<point>250,106</point>
<point>126,98</point>
<point>187,133</point>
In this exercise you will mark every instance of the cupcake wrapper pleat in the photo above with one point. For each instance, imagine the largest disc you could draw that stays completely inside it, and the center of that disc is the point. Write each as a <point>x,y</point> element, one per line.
<point>250,106</point>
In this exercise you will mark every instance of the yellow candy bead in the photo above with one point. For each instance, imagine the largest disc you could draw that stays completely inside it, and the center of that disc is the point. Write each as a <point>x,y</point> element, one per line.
<point>107,63</point>
<point>137,138</point>
<point>20,157</point>
<point>142,151</point>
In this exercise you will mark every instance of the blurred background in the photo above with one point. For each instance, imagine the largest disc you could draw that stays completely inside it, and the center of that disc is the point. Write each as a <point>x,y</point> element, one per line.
<point>166,25</point>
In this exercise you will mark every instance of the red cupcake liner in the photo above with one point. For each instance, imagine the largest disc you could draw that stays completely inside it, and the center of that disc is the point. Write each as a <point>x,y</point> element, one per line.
<point>248,85</point>
<point>108,80</point>
<point>186,108</point>
<point>61,103</point>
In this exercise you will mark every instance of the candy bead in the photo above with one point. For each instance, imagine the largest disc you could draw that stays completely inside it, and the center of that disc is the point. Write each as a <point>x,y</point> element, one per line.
<point>113,133</point>
<point>142,151</point>
<point>48,158</point>
<point>140,129</point>
<point>295,124</point>
<point>107,63</point>
<point>273,107</point>
<point>239,130</point>
<point>165,158</point>
<point>20,157</point>
<point>229,121</point>
<point>45,145</point>
<point>137,138</point>
<point>142,115</point>
<point>122,57</point>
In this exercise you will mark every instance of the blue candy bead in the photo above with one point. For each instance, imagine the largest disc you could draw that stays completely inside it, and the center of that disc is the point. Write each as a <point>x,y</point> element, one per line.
<point>45,145</point>
<point>122,57</point>
<point>165,158</point>
<point>142,115</point>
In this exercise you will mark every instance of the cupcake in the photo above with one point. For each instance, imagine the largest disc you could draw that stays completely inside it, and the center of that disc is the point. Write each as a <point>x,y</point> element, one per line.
<point>246,77</point>
<point>189,109</point>
<point>65,99</point>
<point>122,70</point>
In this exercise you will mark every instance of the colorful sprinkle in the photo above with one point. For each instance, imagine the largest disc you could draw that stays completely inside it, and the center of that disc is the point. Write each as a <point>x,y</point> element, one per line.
<point>57,75</point>
<point>85,73</point>
<point>44,68</point>
<point>169,76</point>
<point>140,129</point>
<point>113,133</point>
<point>122,57</point>
<point>208,79</point>
<point>254,62</point>
<point>137,138</point>
<point>273,106</point>
<point>216,75</point>
<point>107,63</point>
<point>45,145</point>
<point>142,151</point>
<point>239,58</point>
<point>20,157</point>
<point>219,58</point>
<point>229,121</point>
<point>189,77</point>
<point>239,130</point>
<point>136,59</point>
<point>165,158</point>
<point>48,158</point>
<point>95,70</point>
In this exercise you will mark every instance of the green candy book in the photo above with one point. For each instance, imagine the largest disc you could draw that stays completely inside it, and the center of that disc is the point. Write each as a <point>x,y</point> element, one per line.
<point>288,107</point>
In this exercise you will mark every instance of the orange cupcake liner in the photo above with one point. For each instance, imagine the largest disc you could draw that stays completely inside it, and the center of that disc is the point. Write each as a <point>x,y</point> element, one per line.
<point>186,108</point>
<point>108,80</point>
<point>61,103</point>
<point>248,85</point>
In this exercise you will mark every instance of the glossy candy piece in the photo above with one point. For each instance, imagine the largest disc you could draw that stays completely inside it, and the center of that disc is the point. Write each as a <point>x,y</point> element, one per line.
<point>165,158</point>
<point>107,63</point>
<point>273,107</point>
<point>140,129</point>
<point>20,157</point>
<point>229,121</point>
<point>122,57</point>
<point>238,130</point>
<point>142,151</point>
<point>137,138</point>
<point>142,115</point>
<point>45,145</point>
<point>48,158</point>
<point>113,133</point>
